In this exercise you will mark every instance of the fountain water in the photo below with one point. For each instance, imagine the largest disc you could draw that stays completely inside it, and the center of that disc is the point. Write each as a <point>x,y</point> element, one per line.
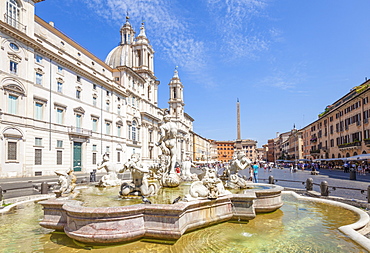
<point>208,203</point>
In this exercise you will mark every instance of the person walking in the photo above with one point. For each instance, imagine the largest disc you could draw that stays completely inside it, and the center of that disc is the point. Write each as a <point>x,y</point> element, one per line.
<point>255,172</point>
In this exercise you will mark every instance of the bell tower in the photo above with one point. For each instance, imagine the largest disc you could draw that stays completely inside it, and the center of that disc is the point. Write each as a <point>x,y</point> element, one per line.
<point>144,53</point>
<point>127,39</point>
<point>176,102</point>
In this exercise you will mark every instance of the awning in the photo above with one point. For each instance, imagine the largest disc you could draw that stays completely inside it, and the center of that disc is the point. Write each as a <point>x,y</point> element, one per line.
<point>359,157</point>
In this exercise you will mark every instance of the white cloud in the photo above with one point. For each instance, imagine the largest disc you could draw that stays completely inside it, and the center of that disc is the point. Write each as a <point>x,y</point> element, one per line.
<point>173,33</point>
<point>234,22</point>
<point>169,31</point>
<point>289,80</point>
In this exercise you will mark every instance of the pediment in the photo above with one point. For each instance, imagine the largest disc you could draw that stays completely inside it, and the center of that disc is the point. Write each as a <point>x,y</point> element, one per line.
<point>79,109</point>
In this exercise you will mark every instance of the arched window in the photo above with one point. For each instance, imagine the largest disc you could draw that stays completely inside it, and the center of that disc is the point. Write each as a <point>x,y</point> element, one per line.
<point>12,13</point>
<point>339,155</point>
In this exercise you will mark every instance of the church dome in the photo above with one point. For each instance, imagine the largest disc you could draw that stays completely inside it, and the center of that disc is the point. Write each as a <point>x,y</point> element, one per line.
<point>117,57</point>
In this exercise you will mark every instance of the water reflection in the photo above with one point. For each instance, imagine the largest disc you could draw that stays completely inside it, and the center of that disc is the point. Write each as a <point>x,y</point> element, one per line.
<point>299,226</point>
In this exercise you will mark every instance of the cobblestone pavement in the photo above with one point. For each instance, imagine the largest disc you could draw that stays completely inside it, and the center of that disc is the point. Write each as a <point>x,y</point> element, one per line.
<point>335,178</point>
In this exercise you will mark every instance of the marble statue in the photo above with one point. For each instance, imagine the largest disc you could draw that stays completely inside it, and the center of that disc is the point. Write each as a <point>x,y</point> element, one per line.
<point>157,170</point>
<point>67,183</point>
<point>167,143</point>
<point>186,175</point>
<point>233,179</point>
<point>139,185</point>
<point>210,187</point>
<point>110,179</point>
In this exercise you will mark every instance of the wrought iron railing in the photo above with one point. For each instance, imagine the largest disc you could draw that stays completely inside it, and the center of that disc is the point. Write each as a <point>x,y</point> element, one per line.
<point>15,23</point>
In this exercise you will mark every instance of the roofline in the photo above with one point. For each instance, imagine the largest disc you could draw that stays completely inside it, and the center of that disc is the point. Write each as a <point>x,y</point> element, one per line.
<point>60,34</point>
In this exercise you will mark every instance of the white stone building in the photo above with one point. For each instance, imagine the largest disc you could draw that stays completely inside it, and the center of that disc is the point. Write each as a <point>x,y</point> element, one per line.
<point>61,107</point>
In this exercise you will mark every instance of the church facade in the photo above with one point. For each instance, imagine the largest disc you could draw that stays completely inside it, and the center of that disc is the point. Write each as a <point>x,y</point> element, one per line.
<point>61,107</point>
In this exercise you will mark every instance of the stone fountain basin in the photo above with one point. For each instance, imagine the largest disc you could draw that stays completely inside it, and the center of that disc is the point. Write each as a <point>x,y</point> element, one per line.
<point>103,225</point>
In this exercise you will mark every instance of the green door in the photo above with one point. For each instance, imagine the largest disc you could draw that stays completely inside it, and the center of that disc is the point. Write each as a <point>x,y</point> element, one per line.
<point>77,156</point>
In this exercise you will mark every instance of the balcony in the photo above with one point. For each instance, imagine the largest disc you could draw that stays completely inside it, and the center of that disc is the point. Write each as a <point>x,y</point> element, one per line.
<point>315,151</point>
<point>350,144</point>
<point>13,22</point>
<point>367,142</point>
<point>78,131</point>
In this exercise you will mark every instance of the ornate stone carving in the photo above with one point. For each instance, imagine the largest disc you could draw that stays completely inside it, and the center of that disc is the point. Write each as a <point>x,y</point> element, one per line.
<point>110,179</point>
<point>67,183</point>
<point>210,187</point>
<point>139,186</point>
<point>233,180</point>
<point>167,143</point>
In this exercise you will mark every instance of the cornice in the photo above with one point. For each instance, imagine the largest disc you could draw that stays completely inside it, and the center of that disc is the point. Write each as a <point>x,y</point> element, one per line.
<point>131,71</point>
<point>150,116</point>
<point>70,41</point>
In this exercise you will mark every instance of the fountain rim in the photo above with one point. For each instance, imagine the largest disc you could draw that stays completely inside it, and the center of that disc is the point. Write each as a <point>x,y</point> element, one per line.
<point>351,230</point>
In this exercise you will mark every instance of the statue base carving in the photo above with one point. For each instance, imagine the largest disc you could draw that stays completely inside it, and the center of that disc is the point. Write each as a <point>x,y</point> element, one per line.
<point>210,187</point>
<point>170,180</point>
<point>236,182</point>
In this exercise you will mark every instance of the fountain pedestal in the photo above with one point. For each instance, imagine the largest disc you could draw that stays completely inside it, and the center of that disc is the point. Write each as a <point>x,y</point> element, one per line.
<point>104,225</point>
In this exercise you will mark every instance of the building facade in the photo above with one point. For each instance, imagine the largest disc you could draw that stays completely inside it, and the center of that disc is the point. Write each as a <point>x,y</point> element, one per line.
<point>225,150</point>
<point>62,108</point>
<point>342,130</point>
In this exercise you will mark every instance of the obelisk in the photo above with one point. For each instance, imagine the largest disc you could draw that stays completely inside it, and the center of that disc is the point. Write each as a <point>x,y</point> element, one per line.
<point>238,142</point>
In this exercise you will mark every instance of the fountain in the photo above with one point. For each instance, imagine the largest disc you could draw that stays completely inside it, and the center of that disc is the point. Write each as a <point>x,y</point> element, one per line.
<point>292,228</point>
<point>207,202</point>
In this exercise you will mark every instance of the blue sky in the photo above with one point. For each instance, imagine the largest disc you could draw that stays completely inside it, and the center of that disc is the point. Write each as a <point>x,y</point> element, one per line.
<point>285,60</point>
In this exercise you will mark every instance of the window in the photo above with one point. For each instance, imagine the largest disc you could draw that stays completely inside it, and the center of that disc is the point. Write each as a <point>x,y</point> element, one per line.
<point>12,104</point>
<point>60,87</point>
<point>38,141</point>
<point>107,149</point>
<point>133,131</point>
<point>107,106</point>
<point>12,151</point>
<point>78,79</point>
<point>78,94</point>
<point>38,156</point>
<point>94,101</point>
<point>13,46</point>
<point>38,110</point>
<point>12,11</point>
<point>38,59</point>
<point>13,67</point>
<point>94,125</point>
<point>118,157</point>
<point>119,131</point>
<point>59,157</point>
<point>93,158</point>
<point>94,147</point>
<point>119,110</point>
<point>94,86</point>
<point>60,115</point>
<point>107,92</point>
<point>107,127</point>
<point>133,101</point>
<point>38,78</point>
<point>59,144</point>
<point>78,120</point>
<point>60,70</point>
